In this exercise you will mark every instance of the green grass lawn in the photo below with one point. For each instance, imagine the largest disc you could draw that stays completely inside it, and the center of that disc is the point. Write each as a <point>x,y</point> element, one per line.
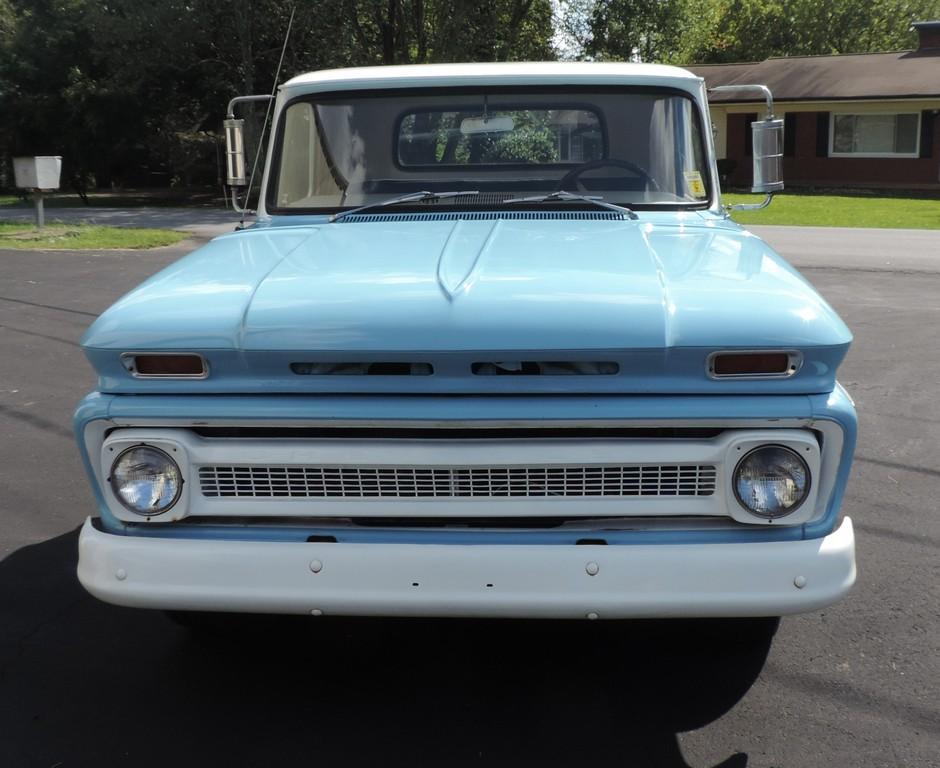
<point>68,237</point>
<point>840,211</point>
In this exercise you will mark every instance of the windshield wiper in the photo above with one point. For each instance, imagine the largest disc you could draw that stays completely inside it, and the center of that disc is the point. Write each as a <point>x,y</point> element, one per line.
<point>412,197</point>
<point>563,194</point>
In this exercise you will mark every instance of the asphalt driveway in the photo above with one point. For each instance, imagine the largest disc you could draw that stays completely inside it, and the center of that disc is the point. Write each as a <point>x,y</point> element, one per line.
<point>200,222</point>
<point>86,684</point>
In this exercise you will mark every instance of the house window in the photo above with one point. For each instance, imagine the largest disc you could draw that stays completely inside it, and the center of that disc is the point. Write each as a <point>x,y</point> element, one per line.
<point>874,135</point>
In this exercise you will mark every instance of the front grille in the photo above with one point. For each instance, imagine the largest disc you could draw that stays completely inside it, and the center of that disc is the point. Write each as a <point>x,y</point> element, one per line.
<point>453,482</point>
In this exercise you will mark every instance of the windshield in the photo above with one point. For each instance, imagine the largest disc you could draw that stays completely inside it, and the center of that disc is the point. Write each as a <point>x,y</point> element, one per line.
<point>628,146</point>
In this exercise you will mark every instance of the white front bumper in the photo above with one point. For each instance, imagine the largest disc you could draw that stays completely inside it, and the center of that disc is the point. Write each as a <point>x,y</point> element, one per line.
<point>548,581</point>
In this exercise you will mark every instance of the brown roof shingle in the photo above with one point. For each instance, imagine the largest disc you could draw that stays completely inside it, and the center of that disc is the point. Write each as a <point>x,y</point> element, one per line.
<point>908,74</point>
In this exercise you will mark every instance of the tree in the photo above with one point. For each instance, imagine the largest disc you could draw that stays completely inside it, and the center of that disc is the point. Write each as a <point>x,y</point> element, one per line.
<point>752,30</point>
<point>707,31</point>
<point>129,92</point>
<point>627,30</point>
<point>573,27</point>
<point>420,31</point>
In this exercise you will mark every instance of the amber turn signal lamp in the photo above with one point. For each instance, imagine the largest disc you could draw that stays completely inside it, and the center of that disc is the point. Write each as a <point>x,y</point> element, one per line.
<point>752,364</point>
<point>177,366</point>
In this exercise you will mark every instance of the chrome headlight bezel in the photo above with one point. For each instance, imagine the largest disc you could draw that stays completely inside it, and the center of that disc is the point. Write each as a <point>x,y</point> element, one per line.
<point>165,456</point>
<point>807,490</point>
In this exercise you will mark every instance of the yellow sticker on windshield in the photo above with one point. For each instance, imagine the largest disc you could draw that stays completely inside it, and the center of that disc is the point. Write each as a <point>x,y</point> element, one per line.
<point>693,180</point>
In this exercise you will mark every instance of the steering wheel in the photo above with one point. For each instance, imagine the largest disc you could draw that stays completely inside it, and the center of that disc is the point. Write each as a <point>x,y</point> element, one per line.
<point>572,177</point>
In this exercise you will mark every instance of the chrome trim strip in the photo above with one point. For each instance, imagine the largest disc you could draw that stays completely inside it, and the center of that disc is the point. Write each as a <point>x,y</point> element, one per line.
<point>153,421</point>
<point>596,526</point>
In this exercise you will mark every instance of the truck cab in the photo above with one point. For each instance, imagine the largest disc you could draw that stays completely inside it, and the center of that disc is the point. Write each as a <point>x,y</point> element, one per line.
<point>492,347</point>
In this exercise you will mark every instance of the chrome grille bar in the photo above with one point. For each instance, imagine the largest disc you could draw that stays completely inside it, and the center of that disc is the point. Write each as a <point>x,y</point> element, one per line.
<point>358,482</point>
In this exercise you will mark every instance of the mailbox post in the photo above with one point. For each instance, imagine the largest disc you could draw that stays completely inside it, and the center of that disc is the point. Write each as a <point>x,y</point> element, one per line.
<point>39,174</point>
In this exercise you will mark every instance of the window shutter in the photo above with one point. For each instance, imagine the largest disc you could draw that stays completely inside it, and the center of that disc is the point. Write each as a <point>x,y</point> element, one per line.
<point>927,120</point>
<point>822,134</point>
<point>748,136</point>
<point>789,134</point>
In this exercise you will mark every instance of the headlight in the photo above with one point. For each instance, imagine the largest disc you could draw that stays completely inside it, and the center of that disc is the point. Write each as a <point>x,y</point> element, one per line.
<point>146,480</point>
<point>771,481</point>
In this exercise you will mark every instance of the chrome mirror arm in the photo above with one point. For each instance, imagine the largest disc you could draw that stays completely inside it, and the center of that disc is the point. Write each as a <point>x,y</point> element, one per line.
<point>230,112</point>
<point>746,88</point>
<point>749,206</point>
<point>236,205</point>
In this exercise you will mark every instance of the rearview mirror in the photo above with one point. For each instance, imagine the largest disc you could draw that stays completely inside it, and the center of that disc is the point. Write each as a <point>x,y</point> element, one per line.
<point>474,125</point>
<point>767,143</point>
<point>235,152</point>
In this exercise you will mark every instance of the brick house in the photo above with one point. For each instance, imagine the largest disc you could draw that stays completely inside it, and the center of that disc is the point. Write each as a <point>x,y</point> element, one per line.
<point>851,120</point>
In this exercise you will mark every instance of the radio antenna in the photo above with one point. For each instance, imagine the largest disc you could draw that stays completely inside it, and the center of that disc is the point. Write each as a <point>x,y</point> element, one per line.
<point>267,113</point>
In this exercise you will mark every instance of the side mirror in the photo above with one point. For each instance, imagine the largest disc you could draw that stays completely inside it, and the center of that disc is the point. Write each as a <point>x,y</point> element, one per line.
<point>235,152</point>
<point>767,146</point>
<point>234,129</point>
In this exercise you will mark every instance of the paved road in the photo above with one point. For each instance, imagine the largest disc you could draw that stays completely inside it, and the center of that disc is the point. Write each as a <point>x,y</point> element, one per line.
<point>86,684</point>
<point>892,250</point>
<point>201,222</point>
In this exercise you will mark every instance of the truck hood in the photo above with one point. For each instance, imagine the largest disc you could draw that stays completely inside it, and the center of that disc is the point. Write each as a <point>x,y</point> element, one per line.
<point>655,298</point>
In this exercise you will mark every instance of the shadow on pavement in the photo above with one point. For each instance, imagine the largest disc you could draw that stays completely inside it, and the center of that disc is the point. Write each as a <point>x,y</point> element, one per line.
<point>87,684</point>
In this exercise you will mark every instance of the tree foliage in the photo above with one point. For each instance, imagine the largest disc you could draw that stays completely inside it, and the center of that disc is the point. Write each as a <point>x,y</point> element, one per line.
<point>707,31</point>
<point>635,29</point>
<point>416,32</point>
<point>749,30</point>
<point>133,93</point>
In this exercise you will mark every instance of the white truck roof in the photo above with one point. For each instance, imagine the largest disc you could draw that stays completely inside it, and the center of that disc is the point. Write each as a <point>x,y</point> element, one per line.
<point>504,73</point>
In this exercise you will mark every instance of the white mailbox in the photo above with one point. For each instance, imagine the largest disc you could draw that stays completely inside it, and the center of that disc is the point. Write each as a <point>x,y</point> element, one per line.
<point>37,172</point>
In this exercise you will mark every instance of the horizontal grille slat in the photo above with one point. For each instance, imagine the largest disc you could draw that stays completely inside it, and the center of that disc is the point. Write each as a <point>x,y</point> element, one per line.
<point>453,482</point>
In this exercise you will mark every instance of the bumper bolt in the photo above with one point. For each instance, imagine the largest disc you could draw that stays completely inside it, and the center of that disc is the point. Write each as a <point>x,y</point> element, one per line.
<point>592,568</point>
<point>592,616</point>
<point>799,582</point>
<point>316,612</point>
<point>316,566</point>
<point>120,574</point>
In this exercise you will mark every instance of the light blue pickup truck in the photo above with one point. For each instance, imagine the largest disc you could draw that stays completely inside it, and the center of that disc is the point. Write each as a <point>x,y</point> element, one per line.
<point>492,348</point>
